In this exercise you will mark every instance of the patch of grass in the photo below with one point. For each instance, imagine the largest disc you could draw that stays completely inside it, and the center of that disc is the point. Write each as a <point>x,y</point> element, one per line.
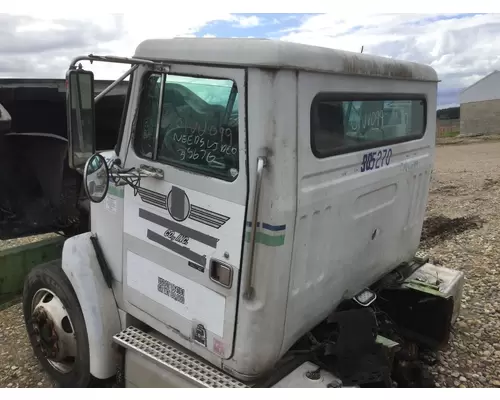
<point>451,134</point>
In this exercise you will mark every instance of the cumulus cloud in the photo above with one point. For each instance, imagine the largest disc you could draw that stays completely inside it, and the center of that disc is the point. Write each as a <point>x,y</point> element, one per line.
<point>462,48</point>
<point>43,47</point>
<point>247,22</point>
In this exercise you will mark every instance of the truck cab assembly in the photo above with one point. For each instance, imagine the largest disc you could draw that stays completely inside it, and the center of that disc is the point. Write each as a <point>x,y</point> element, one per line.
<point>256,223</point>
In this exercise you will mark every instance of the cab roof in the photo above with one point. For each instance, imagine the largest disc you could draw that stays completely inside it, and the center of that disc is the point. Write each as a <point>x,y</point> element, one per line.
<point>277,54</point>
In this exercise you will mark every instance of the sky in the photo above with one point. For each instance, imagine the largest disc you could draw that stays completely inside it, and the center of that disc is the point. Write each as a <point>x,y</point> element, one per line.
<point>462,48</point>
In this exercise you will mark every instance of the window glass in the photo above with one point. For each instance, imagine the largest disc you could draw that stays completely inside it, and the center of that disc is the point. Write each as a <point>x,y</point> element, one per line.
<point>198,124</point>
<point>148,117</point>
<point>340,126</point>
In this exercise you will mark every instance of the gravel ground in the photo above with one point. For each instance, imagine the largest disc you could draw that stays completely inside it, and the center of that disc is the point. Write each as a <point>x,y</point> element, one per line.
<point>462,231</point>
<point>19,367</point>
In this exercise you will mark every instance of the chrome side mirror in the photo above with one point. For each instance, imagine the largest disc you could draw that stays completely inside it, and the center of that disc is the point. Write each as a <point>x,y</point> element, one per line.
<point>96,178</point>
<point>80,111</point>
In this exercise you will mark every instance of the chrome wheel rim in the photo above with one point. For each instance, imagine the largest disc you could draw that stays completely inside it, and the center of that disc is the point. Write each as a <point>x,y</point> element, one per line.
<point>53,330</point>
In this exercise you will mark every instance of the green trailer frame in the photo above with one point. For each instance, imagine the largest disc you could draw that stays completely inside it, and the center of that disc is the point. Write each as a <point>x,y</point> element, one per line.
<point>16,262</point>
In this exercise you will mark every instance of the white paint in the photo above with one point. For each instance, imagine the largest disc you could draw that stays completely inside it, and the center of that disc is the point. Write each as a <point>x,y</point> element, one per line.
<point>229,240</point>
<point>109,226</point>
<point>201,304</point>
<point>96,300</point>
<point>351,230</point>
<point>278,54</point>
<point>217,195</point>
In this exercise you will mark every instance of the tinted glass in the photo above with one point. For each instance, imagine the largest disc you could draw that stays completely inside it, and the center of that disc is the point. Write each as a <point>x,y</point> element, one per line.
<point>342,126</point>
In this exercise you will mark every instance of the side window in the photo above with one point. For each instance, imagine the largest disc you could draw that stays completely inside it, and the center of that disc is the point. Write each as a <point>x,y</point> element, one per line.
<point>198,124</point>
<point>343,125</point>
<point>145,133</point>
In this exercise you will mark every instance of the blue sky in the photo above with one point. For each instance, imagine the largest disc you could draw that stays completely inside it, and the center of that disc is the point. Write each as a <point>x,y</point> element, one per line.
<point>462,48</point>
<point>270,26</point>
<point>277,26</point>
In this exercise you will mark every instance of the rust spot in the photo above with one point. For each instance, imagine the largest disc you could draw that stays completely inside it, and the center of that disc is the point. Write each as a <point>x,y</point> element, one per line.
<point>363,65</point>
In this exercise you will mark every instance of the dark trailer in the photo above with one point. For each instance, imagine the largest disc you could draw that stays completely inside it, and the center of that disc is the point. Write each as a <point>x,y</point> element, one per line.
<point>39,193</point>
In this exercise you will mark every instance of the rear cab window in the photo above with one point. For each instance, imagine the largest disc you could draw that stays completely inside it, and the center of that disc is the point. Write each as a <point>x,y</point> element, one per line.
<point>348,123</point>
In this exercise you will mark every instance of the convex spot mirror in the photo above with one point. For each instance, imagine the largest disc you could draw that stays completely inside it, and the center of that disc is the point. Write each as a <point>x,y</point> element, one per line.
<point>96,178</point>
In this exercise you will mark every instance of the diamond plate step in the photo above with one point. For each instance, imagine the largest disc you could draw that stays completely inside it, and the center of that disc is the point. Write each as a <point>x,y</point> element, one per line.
<point>175,360</point>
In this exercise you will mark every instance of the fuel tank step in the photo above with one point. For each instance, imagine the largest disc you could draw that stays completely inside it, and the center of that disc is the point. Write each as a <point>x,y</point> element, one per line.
<point>168,357</point>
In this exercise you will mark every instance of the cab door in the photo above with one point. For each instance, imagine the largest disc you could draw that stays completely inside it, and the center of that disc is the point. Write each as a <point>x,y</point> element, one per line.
<point>183,234</point>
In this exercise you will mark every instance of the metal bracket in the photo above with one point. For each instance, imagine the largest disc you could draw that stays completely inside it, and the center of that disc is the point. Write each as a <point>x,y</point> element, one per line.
<point>134,62</point>
<point>144,171</point>
<point>151,172</point>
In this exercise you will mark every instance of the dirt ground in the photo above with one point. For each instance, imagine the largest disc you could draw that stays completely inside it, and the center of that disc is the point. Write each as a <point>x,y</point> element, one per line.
<point>461,231</point>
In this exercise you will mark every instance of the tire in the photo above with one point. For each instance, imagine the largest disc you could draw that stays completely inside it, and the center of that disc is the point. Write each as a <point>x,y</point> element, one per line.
<point>51,277</point>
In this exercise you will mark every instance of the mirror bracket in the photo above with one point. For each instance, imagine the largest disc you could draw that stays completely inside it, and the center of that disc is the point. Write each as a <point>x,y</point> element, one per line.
<point>152,172</point>
<point>98,172</point>
<point>122,177</point>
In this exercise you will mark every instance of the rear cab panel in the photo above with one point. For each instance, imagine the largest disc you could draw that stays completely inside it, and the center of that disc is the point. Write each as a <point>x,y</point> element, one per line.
<point>359,212</point>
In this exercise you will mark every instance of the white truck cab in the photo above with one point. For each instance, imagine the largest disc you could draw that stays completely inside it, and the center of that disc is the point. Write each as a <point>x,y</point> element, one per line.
<point>260,197</point>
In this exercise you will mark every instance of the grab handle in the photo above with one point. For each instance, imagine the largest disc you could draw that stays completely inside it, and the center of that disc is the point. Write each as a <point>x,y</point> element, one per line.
<point>249,290</point>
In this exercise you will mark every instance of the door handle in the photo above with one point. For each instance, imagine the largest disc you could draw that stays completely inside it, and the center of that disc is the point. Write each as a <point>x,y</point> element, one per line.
<point>221,273</point>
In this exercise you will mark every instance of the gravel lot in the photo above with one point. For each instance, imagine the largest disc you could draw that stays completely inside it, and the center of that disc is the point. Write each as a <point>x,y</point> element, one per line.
<point>462,231</point>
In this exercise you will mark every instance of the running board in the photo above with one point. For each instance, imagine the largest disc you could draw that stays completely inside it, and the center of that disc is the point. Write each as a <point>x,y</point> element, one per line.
<point>173,360</point>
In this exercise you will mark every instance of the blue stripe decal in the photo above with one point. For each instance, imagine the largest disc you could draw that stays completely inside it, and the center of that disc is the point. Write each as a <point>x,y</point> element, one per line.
<point>273,228</point>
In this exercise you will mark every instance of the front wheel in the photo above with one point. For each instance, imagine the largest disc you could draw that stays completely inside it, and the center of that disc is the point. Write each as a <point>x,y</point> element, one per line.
<point>56,327</point>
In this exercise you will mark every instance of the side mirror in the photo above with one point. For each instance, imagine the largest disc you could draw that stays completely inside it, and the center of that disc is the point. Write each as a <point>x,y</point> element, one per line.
<point>81,116</point>
<point>96,178</point>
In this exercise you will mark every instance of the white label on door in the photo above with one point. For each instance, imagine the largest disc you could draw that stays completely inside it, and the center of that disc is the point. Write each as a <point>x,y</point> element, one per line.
<point>181,295</point>
<point>110,202</point>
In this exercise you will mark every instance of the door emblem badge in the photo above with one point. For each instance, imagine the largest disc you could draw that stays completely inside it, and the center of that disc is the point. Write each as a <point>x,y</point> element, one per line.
<point>180,208</point>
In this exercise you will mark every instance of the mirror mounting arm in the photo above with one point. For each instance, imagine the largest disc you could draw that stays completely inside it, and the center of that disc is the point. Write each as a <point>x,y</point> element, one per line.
<point>144,171</point>
<point>111,59</point>
<point>115,83</point>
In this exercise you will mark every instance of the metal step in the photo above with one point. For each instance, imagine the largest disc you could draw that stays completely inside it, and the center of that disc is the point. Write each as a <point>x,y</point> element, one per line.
<point>175,360</point>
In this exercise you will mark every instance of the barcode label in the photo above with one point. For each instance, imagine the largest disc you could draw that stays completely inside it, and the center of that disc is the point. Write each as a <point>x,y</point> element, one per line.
<point>171,290</point>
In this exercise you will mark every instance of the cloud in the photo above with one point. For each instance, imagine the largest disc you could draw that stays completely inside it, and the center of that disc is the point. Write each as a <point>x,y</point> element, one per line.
<point>43,47</point>
<point>461,47</point>
<point>247,22</point>
<point>27,35</point>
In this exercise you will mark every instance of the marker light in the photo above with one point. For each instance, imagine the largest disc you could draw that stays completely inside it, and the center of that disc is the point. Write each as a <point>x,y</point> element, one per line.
<point>365,298</point>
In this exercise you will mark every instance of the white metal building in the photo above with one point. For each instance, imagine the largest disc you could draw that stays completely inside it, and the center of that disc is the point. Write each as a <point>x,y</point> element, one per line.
<point>480,106</point>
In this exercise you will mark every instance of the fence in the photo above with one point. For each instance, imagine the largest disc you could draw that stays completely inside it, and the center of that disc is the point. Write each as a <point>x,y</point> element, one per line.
<point>445,127</point>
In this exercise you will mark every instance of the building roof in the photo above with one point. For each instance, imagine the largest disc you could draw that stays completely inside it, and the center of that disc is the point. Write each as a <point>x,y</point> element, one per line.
<point>480,80</point>
<point>276,54</point>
